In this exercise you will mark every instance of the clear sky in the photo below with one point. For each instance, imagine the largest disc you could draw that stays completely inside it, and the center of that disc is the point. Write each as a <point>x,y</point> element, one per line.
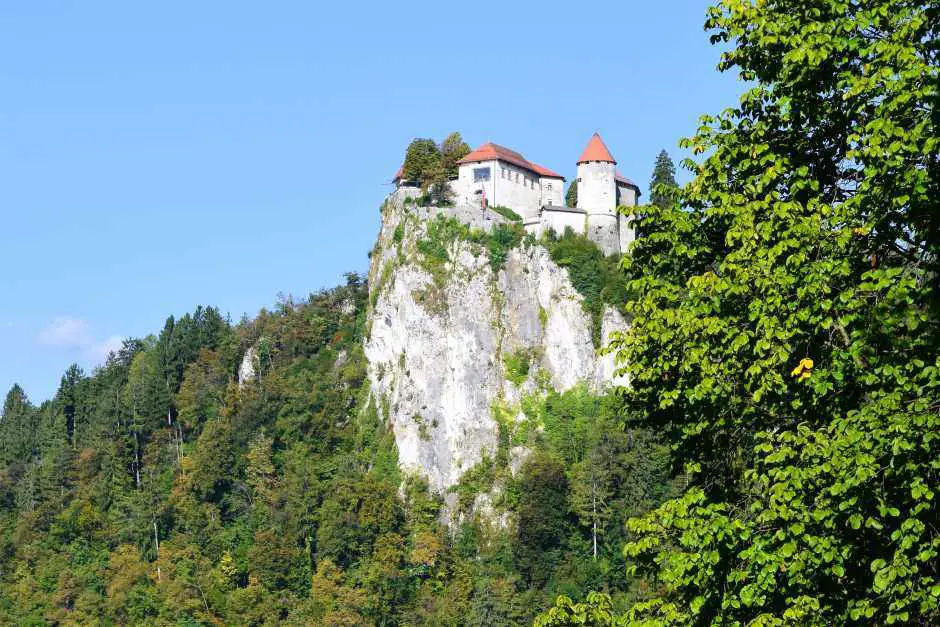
<point>157,156</point>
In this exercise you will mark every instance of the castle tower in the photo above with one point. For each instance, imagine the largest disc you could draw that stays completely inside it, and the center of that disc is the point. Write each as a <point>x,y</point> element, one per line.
<point>597,195</point>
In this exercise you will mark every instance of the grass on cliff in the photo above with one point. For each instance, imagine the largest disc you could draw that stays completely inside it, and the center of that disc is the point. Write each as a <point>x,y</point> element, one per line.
<point>595,276</point>
<point>443,231</point>
<point>507,213</point>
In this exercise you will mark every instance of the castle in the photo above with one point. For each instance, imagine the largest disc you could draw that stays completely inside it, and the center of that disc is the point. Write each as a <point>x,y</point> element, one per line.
<point>493,175</point>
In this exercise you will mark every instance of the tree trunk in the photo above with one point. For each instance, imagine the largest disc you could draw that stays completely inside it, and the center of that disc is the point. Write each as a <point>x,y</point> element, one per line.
<point>136,458</point>
<point>594,516</point>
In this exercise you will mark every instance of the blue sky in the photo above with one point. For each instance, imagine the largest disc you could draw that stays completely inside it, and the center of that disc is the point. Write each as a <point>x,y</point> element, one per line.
<point>157,156</point>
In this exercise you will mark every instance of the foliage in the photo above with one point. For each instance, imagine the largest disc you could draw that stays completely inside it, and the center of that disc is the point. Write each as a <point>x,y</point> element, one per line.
<point>422,162</point>
<point>542,511</point>
<point>597,278</point>
<point>571,196</point>
<point>598,611</point>
<point>477,480</point>
<point>517,366</point>
<point>434,247</point>
<point>785,330</point>
<point>453,149</point>
<point>202,500</point>
<point>499,241</point>
<point>433,165</point>
<point>663,184</point>
<point>506,212</point>
<point>443,231</point>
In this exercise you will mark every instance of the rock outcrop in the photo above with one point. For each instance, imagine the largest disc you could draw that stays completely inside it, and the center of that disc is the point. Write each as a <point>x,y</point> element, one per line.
<point>248,368</point>
<point>438,342</point>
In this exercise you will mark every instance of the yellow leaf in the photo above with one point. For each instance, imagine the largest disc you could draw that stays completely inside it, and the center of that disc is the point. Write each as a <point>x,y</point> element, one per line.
<point>802,369</point>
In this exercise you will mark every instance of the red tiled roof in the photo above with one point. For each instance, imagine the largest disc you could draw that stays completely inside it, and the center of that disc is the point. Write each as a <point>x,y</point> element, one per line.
<point>596,151</point>
<point>400,173</point>
<point>490,152</point>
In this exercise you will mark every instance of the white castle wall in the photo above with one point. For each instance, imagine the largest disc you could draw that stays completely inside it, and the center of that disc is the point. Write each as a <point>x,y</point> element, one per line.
<point>599,195</point>
<point>626,195</point>
<point>509,186</point>
<point>552,192</point>
<point>559,220</point>
<point>627,233</point>
<point>597,192</point>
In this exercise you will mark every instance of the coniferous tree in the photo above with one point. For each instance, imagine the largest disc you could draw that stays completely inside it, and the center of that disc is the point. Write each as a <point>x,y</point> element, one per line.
<point>664,180</point>
<point>422,162</point>
<point>571,196</point>
<point>17,428</point>
<point>70,399</point>
<point>185,497</point>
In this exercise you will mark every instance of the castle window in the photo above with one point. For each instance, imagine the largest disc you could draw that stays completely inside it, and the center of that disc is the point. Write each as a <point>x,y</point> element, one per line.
<point>517,177</point>
<point>481,174</point>
<point>548,187</point>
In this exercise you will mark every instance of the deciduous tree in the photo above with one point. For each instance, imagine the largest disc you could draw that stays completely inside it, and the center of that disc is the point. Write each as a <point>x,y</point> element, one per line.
<point>786,329</point>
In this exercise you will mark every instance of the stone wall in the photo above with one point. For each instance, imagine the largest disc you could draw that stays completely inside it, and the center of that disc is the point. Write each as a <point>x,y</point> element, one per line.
<point>604,230</point>
<point>561,218</point>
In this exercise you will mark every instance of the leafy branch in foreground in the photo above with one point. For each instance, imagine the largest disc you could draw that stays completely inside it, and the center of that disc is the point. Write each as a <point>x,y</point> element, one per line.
<point>786,331</point>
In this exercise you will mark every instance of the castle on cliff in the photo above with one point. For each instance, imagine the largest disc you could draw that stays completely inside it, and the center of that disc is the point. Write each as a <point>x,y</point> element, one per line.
<point>494,175</point>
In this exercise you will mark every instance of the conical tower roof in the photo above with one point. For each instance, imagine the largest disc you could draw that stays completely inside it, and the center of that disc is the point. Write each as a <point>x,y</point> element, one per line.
<point>596,151</point>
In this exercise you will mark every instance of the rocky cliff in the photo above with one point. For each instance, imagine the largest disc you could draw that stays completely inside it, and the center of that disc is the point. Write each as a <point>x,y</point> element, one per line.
<point>452,335</point>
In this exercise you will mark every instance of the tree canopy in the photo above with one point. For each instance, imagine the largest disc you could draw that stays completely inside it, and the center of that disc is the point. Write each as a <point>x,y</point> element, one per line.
<point>785,331</point>
<point>433,165</point>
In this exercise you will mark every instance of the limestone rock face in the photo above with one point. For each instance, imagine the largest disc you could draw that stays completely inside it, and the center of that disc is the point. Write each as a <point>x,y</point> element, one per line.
<point>247,370</point>
<point>437,343</point>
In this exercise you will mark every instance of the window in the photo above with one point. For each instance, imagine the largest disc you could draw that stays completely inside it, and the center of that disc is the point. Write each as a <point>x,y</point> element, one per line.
<point>548,187</point>
<point>481,174</point>
<point>517,177</point>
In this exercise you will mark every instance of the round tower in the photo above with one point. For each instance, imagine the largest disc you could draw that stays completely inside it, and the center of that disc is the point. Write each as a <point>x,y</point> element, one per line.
<point>597,194</point>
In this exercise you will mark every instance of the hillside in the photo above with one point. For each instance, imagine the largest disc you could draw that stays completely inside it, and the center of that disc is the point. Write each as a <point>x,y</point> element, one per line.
<point>433,445</point>
<point>442,443</point>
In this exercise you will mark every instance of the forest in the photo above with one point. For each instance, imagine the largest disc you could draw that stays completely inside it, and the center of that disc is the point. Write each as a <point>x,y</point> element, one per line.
<point>159,490</point>
<point>774,460</point>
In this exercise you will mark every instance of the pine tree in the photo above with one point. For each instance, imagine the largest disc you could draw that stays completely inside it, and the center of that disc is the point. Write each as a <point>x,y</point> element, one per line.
<point>664,179</point>
<point>571,196</point>
<point>422,162</point>
<point>16,432</point>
